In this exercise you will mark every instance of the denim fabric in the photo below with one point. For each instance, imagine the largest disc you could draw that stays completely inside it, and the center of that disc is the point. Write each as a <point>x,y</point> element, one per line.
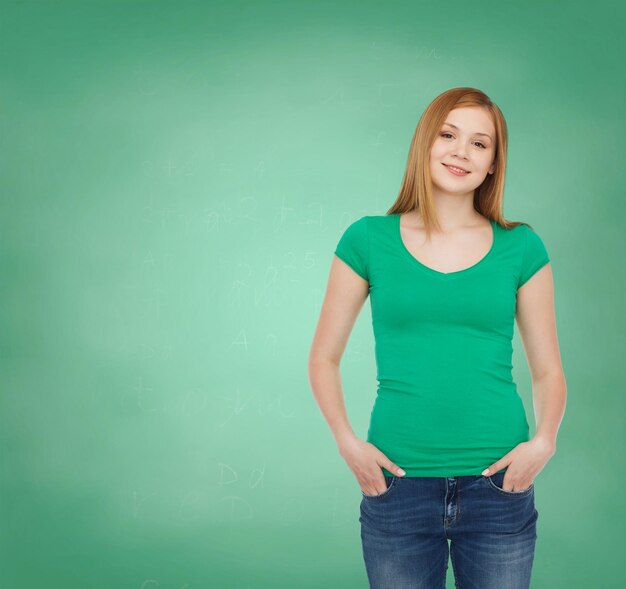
<point>491,532</point>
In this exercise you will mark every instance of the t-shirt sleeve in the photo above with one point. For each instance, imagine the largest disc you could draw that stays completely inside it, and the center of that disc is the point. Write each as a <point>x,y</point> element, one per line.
<point>353,247</point>
<point>535,256</point>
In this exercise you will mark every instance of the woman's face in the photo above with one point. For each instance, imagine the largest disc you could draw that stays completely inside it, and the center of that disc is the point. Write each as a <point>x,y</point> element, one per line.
<point>465,140</point>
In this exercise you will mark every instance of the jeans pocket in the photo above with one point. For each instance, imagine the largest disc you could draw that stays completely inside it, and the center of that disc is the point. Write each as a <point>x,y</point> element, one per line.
<point>496,485</point>
<point>391,483</point>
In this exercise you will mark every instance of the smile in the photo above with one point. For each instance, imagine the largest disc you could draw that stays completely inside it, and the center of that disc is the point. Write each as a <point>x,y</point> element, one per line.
<point>456,171</point>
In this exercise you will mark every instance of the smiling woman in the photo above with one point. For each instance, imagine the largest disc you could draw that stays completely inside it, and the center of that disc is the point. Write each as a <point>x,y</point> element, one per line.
<point>447,277</point>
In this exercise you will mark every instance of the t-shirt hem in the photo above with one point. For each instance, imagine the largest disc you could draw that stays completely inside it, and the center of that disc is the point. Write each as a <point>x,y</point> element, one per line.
<point>423,472</point>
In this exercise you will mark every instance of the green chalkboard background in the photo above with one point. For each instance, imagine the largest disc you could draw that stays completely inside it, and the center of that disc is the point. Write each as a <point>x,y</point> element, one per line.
<point>175,177</point>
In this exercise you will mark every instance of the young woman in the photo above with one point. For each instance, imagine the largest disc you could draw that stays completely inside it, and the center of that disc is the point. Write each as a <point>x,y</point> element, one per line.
<point>448,455</point>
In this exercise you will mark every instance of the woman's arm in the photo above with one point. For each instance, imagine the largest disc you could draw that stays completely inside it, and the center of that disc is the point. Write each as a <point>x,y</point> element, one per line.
<point>537,326</point>
<point>536,322</point>
<point>345,294</point>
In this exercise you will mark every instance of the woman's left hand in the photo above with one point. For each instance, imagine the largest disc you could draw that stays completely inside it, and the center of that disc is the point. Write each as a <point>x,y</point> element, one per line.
<point>523,463</point>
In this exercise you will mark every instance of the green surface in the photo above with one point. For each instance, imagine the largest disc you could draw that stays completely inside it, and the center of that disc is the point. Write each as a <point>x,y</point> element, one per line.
<point>175,177</point>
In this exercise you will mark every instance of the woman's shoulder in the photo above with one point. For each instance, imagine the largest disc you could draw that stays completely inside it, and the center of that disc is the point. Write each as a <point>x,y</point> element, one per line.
<point>380,220</point>
<point>371,222</point>
<point>520,231</point>
<point>517,227</point>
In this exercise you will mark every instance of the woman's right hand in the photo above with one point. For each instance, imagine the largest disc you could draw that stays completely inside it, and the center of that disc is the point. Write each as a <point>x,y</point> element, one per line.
<point>365,460</point>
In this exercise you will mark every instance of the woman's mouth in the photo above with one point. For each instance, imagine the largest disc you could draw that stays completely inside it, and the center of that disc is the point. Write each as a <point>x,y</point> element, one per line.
<point>456,171</point>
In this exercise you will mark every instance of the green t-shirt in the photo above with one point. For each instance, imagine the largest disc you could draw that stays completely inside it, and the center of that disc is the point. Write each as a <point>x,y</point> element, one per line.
<point>446,403</point>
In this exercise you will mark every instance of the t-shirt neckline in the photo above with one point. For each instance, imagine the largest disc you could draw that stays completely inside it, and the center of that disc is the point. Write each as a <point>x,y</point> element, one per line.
<point>437,273</point>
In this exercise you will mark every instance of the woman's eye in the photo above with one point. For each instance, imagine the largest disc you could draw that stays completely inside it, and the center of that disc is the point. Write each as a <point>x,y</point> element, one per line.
<point>482,145</point>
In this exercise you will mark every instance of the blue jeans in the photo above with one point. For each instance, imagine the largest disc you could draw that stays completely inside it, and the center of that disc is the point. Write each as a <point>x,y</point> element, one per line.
<point>492,532</point>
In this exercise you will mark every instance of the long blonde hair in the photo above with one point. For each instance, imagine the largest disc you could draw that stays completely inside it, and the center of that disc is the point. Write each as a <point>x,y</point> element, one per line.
<point>416,191</point>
